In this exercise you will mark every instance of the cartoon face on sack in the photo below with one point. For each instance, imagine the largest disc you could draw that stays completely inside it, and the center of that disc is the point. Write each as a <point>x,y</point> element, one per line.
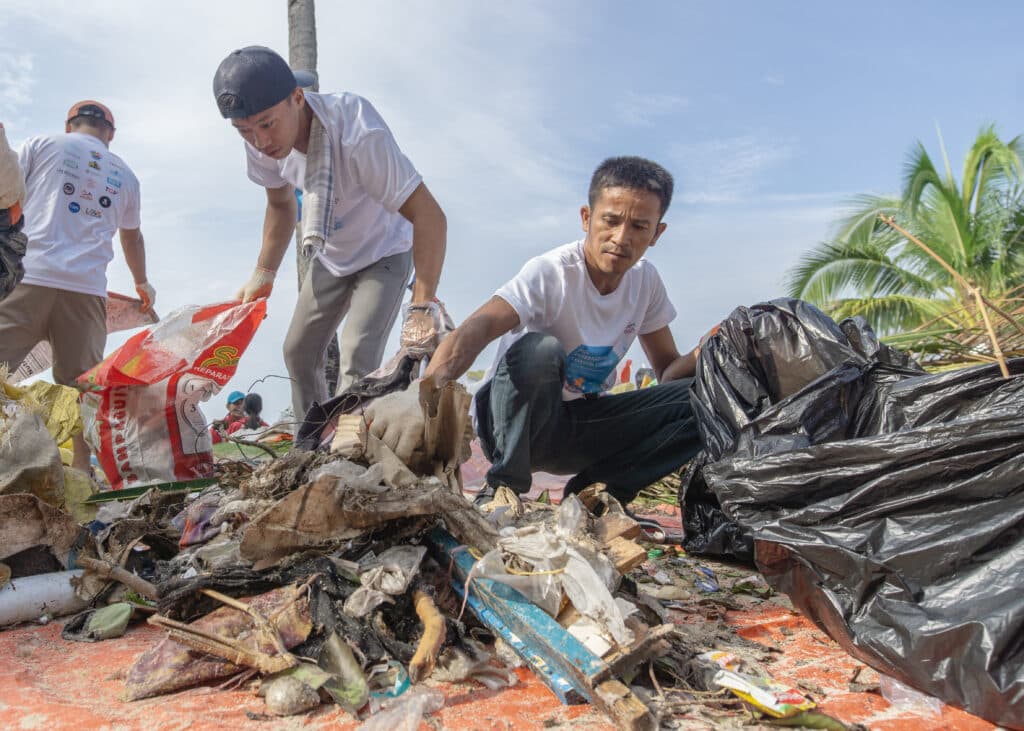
<point>193,390</point>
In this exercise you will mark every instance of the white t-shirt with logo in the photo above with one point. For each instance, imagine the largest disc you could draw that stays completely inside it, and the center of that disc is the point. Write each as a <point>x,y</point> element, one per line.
<point>553,294</point>
<point>78,194</point>
<point>372,180</point>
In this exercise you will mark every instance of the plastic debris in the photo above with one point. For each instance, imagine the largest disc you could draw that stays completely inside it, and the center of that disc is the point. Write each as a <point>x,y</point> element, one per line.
<point>405,712</point>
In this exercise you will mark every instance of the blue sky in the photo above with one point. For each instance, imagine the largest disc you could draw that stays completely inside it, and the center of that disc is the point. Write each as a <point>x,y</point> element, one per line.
<point>770,115</point>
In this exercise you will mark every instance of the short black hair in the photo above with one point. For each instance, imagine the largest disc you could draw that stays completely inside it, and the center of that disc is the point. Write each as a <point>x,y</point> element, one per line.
<point>637,173</point>
<point>83,120</point>
<point>252,406</point>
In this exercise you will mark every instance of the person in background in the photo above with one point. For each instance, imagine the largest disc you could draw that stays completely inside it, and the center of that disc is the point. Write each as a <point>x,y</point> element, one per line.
<point>78,195</point>
<point>220,428</point>
<point>252,408</point>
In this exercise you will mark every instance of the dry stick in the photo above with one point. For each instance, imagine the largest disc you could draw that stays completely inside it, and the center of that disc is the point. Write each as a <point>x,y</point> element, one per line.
<point>108,570</point>
<point>992,335</point>
<point>247,443</point>
<point>890,221</point>
<point>422,663</point>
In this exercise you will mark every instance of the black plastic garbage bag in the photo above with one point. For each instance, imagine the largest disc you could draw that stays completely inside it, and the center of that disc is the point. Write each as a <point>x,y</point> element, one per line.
<point>761,356</point>
<point>887,503</point>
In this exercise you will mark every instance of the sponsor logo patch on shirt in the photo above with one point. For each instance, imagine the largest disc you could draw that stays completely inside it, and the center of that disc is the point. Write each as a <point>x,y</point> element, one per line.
<point>74,207</point>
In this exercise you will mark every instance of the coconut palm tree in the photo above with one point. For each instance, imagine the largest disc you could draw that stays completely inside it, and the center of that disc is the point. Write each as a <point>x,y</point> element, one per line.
<point>976,225</point>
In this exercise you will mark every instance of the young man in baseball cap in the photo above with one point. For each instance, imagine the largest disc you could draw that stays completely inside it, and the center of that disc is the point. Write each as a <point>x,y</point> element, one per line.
<point>368,219</point>
<point>78,195</point>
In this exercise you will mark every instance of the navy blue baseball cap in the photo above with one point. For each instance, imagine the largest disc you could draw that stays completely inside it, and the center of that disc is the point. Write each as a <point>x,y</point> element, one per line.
<point>253,79</point>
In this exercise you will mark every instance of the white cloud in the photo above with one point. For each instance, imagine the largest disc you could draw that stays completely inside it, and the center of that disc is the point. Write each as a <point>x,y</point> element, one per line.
<point>16,82</point>
<point>726,170</point>
<point>645,110</point>
<point>774,79</point>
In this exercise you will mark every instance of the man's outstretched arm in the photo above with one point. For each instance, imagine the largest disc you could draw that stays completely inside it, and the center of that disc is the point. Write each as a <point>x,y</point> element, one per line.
<point>460,349</point>
<point>664,357</point>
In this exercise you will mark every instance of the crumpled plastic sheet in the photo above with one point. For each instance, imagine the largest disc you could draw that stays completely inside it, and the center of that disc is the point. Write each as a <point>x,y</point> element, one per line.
<point>558,563</point>
<point>390,575</point>
<point>406,711</point>
<point>886,502</point>
<point>13,244</point>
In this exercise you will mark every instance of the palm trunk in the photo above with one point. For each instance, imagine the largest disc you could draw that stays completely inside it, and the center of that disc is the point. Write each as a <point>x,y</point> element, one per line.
<point>302,55</point>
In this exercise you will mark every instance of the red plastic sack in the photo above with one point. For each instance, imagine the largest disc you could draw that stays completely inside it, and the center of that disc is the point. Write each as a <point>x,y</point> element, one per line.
<point>141,406</point>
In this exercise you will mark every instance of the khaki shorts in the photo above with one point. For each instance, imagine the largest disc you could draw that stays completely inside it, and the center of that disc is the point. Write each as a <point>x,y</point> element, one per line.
<point>75,324</point>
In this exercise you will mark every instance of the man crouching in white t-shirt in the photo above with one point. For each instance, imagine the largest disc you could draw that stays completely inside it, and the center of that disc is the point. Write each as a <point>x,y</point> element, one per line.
<point>367,218</point>
<point>565,321</point>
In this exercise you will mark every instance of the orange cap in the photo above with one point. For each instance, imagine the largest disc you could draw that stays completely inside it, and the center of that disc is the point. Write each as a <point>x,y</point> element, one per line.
<point>90,108</point>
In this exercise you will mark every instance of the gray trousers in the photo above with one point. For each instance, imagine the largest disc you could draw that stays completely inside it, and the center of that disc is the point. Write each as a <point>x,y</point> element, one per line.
<point>368,301</point>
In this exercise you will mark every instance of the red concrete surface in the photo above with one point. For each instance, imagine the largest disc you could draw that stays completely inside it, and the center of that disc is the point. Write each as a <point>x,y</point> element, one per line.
<point>47,683</point>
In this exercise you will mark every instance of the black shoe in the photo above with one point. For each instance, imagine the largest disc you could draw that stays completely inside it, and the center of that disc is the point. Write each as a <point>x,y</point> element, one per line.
<point>653,531</point>
<point>485,496</point>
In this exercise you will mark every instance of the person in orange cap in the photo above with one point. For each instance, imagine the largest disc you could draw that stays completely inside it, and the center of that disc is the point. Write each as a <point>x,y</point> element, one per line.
<point>78,195</point>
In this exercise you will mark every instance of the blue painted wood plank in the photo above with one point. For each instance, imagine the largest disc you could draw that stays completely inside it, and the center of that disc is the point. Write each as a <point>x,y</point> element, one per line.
<point>565,665</point>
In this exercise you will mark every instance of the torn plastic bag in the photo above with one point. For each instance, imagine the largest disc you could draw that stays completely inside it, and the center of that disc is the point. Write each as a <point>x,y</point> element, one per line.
<point>760,357</point>
<point>541,562</point>
<point>141,411</point>
<point>887,503</point>
<point>13,243</point>
<point>33,421</point>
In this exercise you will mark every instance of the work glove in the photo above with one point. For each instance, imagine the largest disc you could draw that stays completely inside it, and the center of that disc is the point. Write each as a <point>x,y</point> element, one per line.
<point>12,181</point>
<point>147,294</point>
<point>421,328</point>
<point>260,284</point>
<point>398,420</point>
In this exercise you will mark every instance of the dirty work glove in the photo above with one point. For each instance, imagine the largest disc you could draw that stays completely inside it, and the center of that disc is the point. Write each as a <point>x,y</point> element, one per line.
<point>260,284</point>
<point>421,327</point>
<point>398,420</point>
<point>147,294</point>
<point>12,182</point>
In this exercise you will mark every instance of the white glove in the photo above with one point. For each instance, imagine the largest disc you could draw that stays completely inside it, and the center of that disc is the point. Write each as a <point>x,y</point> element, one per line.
<point>260,284</point>
<point>12,181</point>
<point>398,420</point>
<point>147,294</point>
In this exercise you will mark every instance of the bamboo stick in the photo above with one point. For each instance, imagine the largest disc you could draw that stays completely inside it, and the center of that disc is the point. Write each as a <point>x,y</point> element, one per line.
<point>981,299</point>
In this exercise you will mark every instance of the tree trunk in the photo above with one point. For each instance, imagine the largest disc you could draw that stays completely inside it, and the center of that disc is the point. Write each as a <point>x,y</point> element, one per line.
<point>302,55</point>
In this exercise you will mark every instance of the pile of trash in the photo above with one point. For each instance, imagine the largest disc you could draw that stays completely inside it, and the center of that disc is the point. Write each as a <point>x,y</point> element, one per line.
<point>343,576</point>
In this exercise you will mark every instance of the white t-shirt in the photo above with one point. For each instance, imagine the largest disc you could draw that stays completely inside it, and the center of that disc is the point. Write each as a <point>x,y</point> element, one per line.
<point>78,194</point>
<point>553,294</point>
<point>372,180</point>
